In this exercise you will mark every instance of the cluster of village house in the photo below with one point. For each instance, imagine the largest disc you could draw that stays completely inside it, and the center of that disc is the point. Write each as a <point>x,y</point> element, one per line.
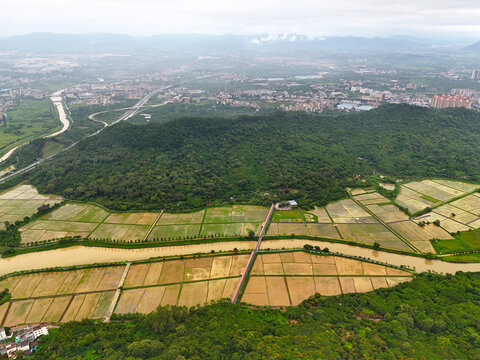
<point>22,340</point>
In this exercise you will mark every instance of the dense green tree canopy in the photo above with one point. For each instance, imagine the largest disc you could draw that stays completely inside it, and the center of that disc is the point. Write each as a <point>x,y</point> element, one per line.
<point>190,162</point>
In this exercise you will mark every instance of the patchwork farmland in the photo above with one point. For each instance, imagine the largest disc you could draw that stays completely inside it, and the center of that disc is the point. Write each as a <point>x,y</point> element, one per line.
<point>22,201</point>
<point>277,279</point>
<point>288,278</point>
<point>366,217</point>
<point>60,296</point>
<point>185,282</point>
<point>91,221</point>
<point>417,196</point>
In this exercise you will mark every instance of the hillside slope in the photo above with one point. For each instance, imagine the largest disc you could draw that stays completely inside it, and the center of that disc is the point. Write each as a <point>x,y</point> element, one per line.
<point>189,162</point>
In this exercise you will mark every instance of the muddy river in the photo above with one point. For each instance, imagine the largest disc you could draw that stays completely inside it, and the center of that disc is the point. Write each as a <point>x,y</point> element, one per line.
<point>79,255</point>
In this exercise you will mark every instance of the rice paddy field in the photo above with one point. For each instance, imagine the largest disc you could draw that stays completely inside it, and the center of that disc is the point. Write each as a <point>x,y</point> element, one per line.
<point>60,296</point>
<point>277,279</point>
<point>460,215</point>
<point>91,221</point>
<point>416,196</point>
<point>381,207</point>
<point>185,282</point>
<point>288,278</point>
<point>367,217</point>
<point>22,201</point>
<point>348,212</point>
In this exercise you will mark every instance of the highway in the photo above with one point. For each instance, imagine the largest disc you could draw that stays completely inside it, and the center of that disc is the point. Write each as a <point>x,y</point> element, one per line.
<point>131,111</point>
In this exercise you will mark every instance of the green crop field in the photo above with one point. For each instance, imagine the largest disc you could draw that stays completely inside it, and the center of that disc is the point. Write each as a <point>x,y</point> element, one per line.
<point>293,215</point>
<point>463,241</point>
<point>30,119</point>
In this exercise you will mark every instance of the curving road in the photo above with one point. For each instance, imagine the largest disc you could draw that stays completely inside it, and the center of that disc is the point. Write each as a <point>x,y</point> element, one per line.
<point>131,111</point>
<point>56,99</point>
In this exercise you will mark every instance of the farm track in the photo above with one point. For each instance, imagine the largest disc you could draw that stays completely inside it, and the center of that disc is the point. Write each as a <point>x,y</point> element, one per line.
<point>118,292</point>
<point>251,259</point>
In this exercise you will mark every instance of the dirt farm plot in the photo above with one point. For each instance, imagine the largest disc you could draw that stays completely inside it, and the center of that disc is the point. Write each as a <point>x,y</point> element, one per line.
<point>22,201</point>
<point>284,279</point>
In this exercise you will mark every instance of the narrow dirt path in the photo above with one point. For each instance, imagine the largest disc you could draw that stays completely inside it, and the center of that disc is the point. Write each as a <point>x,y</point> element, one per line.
<point>117,293</point>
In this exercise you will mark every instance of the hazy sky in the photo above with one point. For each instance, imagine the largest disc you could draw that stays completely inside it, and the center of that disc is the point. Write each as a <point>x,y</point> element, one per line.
<point>451,18</point>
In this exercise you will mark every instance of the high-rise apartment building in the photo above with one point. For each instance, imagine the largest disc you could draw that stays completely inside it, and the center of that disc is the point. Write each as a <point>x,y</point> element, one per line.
<point>450,101</point>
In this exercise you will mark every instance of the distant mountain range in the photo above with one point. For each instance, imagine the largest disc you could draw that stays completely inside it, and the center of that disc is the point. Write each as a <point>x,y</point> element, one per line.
<point>474,47</point>
<point>85,43</point>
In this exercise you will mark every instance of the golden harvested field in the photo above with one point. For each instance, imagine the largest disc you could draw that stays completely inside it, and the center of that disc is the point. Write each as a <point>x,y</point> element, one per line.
<point>388,213</point>
<point>323,230</point>
<point>56,309</point>
<point>146,300</point>
<point>26,286</point>
<point>193,294</point>
<point>129,300</point>
<point>88,306</point>
<point>136,275</point>
<point>51,309</point>
<point>38,310</point>
<point>18,312</point>
<point>177,271</point>
<point>170,296</point>
<point>63,282</point>
<point>90,280</point>
<point>150,299</point>
<point>103,305</point>
<point>277,291</point>
<point>3,311</point>
<point>288,278</point>
<point>187,219</point>
<point>73,309</point>
<point>328,286</point>
<point>172,272</point>
<point>301,288</point>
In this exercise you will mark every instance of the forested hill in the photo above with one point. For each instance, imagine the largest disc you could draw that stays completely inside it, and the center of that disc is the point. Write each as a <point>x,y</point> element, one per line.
<point>190,162</point>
